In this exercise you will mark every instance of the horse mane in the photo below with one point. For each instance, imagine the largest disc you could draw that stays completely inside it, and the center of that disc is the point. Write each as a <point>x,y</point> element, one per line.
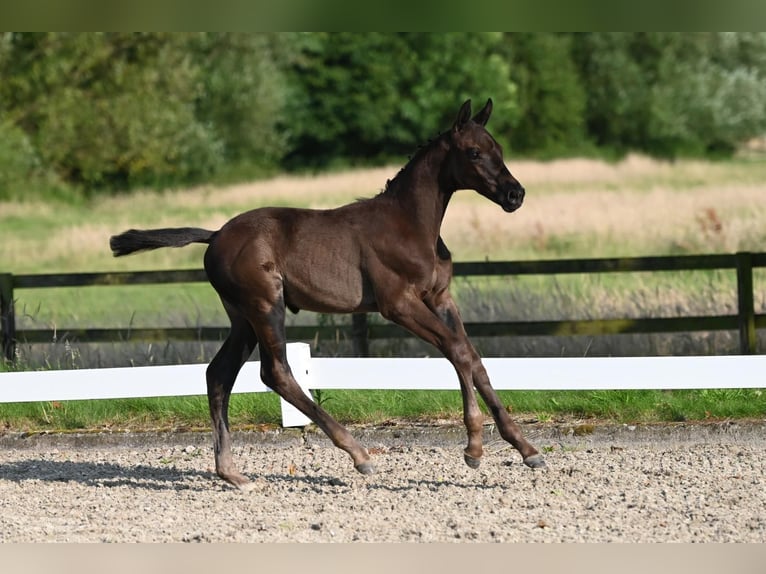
<point>391,184</point>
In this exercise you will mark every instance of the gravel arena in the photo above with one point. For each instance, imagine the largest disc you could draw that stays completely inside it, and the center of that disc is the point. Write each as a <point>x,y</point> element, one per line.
<point>604,483</point>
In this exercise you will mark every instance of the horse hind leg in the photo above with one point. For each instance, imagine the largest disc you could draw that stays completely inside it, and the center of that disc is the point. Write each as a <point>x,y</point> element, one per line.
<point>277,375</point>
<point>221,374</point>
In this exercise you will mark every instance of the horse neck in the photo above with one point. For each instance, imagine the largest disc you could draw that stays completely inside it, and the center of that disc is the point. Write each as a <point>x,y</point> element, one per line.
<point>421,191</point>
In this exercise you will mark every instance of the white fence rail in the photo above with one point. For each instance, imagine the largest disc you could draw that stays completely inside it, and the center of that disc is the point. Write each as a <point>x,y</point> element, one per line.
<point>586,373</point>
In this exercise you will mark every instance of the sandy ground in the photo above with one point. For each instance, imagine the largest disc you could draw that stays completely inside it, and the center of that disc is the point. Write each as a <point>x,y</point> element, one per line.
<point>674,483</point>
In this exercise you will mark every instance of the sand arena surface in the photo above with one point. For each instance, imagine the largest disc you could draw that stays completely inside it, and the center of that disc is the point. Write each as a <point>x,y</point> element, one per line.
<point>685,483</point>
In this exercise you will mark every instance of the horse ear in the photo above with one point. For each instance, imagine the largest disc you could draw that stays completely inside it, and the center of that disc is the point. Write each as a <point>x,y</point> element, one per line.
<point>463,116</point>
<point>482,117</point>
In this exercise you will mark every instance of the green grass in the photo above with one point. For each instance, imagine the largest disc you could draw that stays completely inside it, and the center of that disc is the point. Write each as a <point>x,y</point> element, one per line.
<point>579,208</point>
<point>134,414</point>
<point>377,407</point>
<point>188,304</point>
<point>480,298</point>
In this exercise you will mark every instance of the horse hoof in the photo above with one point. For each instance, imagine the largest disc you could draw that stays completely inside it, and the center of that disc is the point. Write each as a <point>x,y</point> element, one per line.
<point>238,481</point>
<point>471,461</point>
<point>246,486</point>
<point>365,468</point>
<point>535,461</point>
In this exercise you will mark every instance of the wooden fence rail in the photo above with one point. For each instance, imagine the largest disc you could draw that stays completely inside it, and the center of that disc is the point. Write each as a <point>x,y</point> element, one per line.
<point>746,321</point>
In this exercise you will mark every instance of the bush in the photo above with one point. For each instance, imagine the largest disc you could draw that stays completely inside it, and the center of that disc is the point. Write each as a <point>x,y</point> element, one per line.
<point>18,160</point>
<point>243,95</point>
<point>113,111</point>
<point>22,174</point>
<point>704,110</point>
<point>139,125</point>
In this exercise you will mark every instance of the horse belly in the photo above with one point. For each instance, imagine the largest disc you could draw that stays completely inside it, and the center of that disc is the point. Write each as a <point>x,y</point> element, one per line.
<point>327,289</point>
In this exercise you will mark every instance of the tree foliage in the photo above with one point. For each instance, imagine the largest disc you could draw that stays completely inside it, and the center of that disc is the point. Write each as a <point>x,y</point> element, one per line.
<point>362,97</point>
<point>670,93</point>
<point>242,94</point>
<point>118,110</point>
<point>551,95</point>
<point>114,111</point>
<point>110,109</point>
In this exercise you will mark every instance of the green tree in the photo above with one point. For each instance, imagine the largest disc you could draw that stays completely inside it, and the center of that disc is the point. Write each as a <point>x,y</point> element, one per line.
<point>118,110</point>
<point>111,110</point>
<point>618,93</point>
<point>673,93</point>
<point>711,100</point>
<point>242,96</point>
<point>551,97</point>
<point>368,97</point>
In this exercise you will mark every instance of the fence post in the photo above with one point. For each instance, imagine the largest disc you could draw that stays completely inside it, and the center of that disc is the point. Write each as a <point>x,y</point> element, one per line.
<point>745,304</point>
<point>361,343</point>
<point>7,318</point>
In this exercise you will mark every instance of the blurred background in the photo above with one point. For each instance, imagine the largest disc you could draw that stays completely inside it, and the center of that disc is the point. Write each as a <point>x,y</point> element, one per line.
<point>629,144</point>
<point>84,114</point>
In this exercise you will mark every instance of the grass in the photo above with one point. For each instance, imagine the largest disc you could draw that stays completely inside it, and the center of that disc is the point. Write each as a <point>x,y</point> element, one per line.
<point>531,298</point>
<point>574,208</point>
<point>259,410</point>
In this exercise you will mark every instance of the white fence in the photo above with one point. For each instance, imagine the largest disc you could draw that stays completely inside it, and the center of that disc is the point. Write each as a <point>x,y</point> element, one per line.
<point>586,373</point>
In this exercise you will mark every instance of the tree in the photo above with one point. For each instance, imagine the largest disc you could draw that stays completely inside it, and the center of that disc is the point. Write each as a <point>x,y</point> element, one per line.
<point>551,97</point>
<point>673,93</point>
<point>617,88</point>
<point>112,110</point>
<point>243,92</point>
<point>712,101</point>
<point>367,97</point>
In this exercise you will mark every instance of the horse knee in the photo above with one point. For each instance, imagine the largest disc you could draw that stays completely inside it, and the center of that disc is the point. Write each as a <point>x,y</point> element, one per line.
<point>218,380</point>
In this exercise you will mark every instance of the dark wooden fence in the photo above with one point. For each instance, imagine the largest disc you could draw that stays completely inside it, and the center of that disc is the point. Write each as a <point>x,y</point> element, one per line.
<point>746,321</point>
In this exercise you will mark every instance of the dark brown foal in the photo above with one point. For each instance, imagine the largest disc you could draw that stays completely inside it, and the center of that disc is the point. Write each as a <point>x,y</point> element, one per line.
<point>381,254</point>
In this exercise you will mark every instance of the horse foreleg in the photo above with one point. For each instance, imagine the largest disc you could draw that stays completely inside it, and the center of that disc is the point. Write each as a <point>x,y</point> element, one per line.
<point>507,428</point>
<point>221,374</point>
<point>446,310</point>
<point>441,326</point>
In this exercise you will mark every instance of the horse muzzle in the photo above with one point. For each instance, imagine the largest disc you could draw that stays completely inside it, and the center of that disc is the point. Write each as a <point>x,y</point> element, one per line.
<point>511,199</point>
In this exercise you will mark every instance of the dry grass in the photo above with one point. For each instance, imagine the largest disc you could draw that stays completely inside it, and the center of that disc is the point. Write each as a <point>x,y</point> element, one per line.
<point>574,208</point>
<point>601,222</point>
<point>586,208</point>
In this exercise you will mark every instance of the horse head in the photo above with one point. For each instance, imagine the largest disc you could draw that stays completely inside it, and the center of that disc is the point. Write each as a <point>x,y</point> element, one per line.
<point>476,160</point>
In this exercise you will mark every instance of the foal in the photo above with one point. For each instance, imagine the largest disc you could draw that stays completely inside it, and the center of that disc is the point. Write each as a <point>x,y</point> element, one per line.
<point>381,254</point>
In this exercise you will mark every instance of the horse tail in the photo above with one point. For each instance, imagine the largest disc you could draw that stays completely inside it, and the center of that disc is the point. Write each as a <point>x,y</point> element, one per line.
<point>134,240</point>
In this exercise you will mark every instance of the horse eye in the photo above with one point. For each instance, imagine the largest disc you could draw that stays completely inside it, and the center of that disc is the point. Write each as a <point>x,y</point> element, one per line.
<point>474,153</point>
